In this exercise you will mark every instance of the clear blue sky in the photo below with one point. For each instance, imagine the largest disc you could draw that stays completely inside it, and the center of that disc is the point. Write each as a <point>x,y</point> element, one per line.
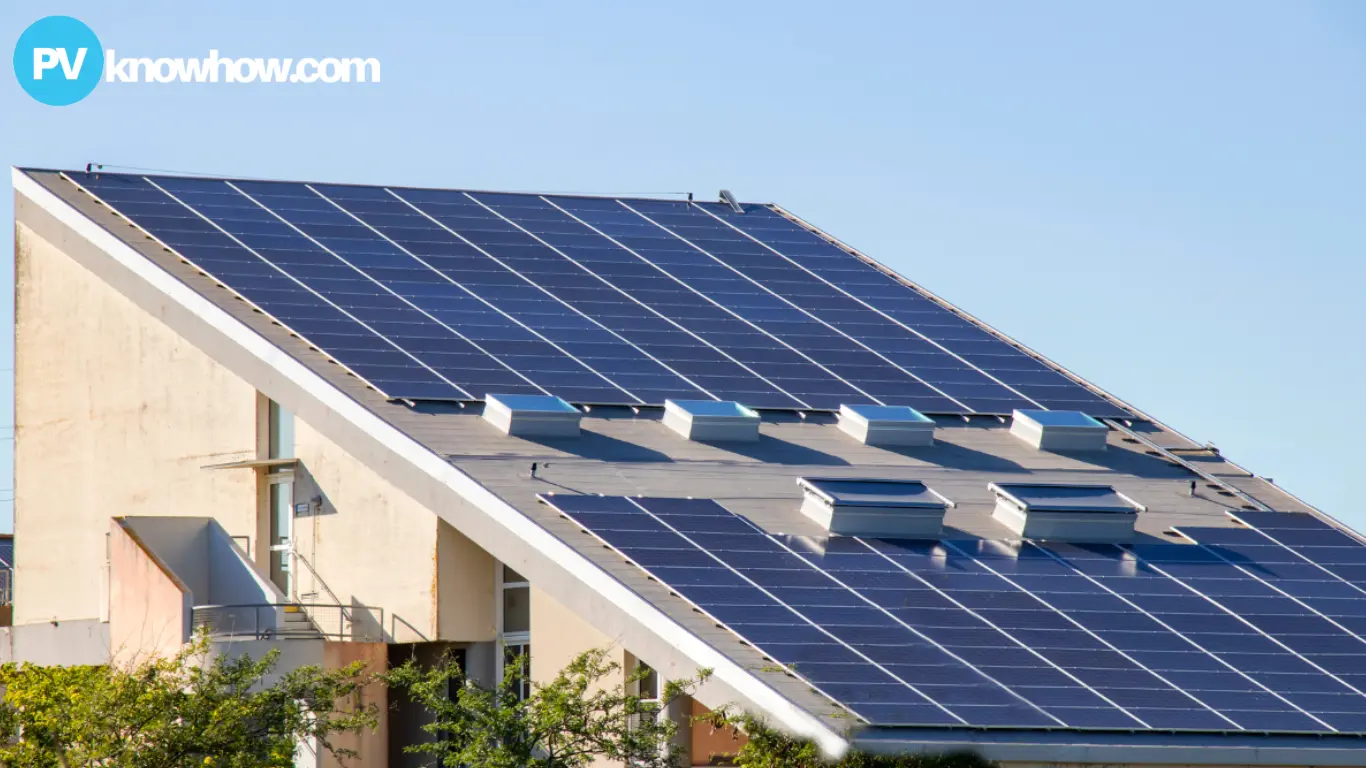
<point>1168,198</point>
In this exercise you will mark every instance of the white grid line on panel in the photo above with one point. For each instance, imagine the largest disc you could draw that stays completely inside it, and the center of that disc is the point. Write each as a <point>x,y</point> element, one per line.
<point>1173,630</point>
<point>542,288</point>
<point>649,308</point>
<point>1215,601</point>
<point>801,309</point>
<point>1093,636</point>
<point>389,290</point>
<point>472,294</point>
<point>1271,585</point>
<point>306,287</point>
<point>1297,553</point>
<point>912,629</point>
<point>865,303</point>
<point>728,310</point>
<point>799,614</point>
<point>796,672</point>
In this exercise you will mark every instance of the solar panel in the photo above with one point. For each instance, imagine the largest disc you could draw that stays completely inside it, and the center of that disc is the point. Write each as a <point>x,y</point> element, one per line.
<point>431,294</point>
<point>1023,634</point>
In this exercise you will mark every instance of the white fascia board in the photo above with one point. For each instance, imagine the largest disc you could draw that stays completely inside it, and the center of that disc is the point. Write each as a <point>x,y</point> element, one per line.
<point>775,705</point>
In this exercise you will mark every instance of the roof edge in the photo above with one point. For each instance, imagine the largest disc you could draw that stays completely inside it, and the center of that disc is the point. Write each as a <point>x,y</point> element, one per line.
<point>1080,747</point>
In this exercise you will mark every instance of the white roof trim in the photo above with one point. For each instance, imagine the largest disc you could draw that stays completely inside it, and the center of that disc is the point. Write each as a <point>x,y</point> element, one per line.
<point>776,706</point>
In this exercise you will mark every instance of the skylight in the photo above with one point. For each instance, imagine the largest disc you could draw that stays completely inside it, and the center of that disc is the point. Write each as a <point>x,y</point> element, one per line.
<point>1063,512</point>
<point>1059,430</point>
<point>874,507</point>
<point>532,415</point>
<point>709,420</point>
<point>886,424</point>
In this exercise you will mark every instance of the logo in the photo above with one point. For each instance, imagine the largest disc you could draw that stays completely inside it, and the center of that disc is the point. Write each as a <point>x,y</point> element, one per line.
<point>58,60</point>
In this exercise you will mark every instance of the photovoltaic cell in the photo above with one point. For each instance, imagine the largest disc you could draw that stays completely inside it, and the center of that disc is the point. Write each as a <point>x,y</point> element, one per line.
<point>433,294</point>
<point>1199,637</point>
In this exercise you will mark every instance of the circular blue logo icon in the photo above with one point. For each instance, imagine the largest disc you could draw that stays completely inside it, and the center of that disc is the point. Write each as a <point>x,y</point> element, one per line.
<point>58,60</point>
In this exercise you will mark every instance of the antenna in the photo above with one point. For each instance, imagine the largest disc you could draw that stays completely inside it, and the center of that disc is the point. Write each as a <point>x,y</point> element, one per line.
<point>729,199</point>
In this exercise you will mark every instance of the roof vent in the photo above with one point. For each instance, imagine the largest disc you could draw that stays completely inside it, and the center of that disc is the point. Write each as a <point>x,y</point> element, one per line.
<point>1061,512</point>
<point>709,420</point>
<point>729,199</point>
<point>1059,430</point>
<point>532,415</point>
<point>887,425</point>
<point>883,508</point>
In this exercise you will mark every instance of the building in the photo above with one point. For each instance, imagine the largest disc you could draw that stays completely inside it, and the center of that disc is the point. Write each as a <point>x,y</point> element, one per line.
<point>360,422</point>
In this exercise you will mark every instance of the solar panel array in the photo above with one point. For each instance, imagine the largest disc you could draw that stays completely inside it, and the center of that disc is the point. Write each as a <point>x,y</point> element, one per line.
<point>1248,630</point>
<point>431,294</point>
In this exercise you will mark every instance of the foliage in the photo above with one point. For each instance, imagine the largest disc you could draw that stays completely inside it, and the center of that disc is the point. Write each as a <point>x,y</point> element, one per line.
<point>766,747</point>
<point>566,723</point>
<point>175,712</point>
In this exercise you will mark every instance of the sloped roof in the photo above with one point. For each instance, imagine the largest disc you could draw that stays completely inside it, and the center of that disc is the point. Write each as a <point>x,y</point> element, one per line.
<point>627,452</point>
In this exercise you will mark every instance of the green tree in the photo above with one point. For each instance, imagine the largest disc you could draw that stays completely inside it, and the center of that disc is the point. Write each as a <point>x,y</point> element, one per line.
<point>565,723</point>
<point>175,712</point>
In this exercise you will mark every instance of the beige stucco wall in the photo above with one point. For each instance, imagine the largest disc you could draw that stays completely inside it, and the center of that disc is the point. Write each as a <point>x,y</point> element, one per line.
<point>375,546</point>
<point>466,588</point>
<point>558,635</point>
<point>116,415</point>
<point>149,606</point>
<point>104,396</point>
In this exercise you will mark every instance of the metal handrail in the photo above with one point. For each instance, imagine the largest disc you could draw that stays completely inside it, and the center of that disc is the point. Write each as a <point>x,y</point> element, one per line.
<point>265,621</point>
<point>318,579</point>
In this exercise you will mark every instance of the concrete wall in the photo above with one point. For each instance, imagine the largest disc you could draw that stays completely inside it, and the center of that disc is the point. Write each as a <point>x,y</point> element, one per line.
<point>371,746</point>
<point>149,606</point>
<point>707,744</point>
<point>466,609</point>
<point>375,546</point>
<point>233,579</point>
<point>103,396</point>
<point>558,635</point>
<point>181,544</point>
<point>79,641</point>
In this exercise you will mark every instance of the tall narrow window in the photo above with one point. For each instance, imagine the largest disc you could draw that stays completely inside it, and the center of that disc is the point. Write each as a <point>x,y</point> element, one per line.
<point>280,495</point>
<point>514,616</point>
<point>647,687</point>
<point>280,444</point>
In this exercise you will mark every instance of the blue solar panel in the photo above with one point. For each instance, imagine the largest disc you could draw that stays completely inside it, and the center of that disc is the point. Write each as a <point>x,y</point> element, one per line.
<point>431,294</point>
<point>1203,637</point>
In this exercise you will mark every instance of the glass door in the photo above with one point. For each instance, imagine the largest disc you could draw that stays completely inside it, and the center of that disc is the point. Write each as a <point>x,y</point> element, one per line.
<point>282,534</point>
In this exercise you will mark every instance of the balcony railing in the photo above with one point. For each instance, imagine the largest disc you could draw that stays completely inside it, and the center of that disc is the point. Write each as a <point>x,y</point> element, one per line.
<point>279,621</point>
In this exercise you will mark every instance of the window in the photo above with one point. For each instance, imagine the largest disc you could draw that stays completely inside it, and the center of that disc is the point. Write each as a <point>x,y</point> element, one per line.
<point>280,433</point>
<point>279,444</point>
<point>647,687</point>
<point>516,603</point>
<point>514,617</point>
<point>523,650</point>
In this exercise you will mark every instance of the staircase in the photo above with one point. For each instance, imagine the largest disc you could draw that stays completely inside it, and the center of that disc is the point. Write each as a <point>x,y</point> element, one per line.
<point>297,624</point>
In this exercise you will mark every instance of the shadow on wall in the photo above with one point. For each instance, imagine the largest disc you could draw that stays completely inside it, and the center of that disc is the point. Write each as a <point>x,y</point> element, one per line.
<point>163,571</point>
<point>319,505</point>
